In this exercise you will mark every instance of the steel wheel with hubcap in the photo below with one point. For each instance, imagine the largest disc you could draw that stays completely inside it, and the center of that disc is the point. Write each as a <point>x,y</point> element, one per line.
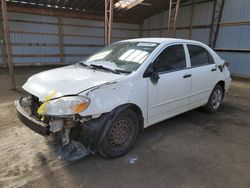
<point>121,135</point>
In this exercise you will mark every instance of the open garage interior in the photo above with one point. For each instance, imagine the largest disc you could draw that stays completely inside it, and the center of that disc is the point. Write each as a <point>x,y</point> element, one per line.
<point>195,149</point>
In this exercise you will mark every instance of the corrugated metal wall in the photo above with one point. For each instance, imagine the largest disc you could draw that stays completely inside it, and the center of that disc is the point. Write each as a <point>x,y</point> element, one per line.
<point>35,38</point>
<point>231,36</point>
<point>236,36</point>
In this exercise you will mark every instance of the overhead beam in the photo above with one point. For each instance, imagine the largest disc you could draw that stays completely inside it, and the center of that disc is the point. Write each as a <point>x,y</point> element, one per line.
<point>8,44</point>
<point>108,22</point>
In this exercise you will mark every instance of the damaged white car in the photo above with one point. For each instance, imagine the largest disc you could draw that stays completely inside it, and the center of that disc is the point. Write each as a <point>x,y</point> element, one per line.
<point>104,102</point>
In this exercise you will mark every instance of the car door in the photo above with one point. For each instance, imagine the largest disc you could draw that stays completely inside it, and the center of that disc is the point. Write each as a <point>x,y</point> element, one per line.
<point>171,93</point>
<point>204,74</point>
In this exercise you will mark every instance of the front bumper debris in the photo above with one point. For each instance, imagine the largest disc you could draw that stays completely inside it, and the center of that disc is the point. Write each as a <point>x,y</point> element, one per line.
<point>31,122</point>
<point>73,151</point>
<point>79,136</point>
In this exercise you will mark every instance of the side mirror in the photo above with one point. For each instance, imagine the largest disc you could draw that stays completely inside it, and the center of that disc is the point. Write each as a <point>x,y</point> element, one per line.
<point>150,72</point>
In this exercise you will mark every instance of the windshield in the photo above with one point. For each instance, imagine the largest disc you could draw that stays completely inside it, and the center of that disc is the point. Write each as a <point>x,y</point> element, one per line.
<point>127,56</point>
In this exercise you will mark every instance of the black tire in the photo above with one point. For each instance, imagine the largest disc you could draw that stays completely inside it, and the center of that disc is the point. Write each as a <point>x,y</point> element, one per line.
<point>215,99</point>
<point>121,135</point>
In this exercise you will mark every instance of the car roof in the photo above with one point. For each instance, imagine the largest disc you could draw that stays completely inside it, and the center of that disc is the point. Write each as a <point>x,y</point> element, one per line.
<point>160,40</point>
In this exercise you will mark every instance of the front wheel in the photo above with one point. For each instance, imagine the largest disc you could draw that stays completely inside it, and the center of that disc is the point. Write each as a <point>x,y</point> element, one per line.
<point>215,99</point>
<point>121,135</point>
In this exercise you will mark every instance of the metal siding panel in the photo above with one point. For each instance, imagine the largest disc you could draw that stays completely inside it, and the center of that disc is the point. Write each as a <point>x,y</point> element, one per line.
<point>164,33</point>
<point>125,33</point>
<point>165,15</point>
<point>87,40</point>
<point>74,59</point>
<point>201,35</point>
<point>183,34</point>
<point>236,10</point>
<point>33,17</point>
<point>155,33</point>
<point>53,28</point>
<point>236,37</point>
<point>33,27</point>
<point>82,22</point>
<point>80,50</point>
<point>29,38</point>
<point>34,50</point>
<point>82,31</point>
<point>146,23</point>
<point>203,14</point>
<point>97,23</point>
<point>155,21</point>
<point>239,62</point>
<point>34,60</point>
<point>126,26</point>
<point>184,16</point>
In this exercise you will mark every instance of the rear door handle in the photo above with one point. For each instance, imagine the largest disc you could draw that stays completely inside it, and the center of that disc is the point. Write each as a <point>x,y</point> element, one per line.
<point>214,69</point>
<point>187,75</point>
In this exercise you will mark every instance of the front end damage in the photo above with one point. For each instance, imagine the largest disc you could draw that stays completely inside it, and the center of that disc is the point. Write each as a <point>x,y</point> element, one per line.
<point>79,136</point>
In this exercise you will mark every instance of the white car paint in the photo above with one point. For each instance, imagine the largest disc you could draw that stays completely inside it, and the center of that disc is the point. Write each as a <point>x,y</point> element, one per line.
<point>69,80</point>
<point>171,96</point>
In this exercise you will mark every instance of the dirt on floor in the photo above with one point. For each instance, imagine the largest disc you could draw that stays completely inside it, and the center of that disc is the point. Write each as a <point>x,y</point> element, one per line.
<point>195,149</point>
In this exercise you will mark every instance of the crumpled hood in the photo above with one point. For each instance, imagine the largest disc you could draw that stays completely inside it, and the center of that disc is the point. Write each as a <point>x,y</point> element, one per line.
<point>67,80</point>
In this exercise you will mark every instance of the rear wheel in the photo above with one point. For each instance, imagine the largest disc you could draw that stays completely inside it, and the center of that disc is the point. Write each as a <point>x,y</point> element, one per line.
<point>121,135</point>
<point>215,99</point>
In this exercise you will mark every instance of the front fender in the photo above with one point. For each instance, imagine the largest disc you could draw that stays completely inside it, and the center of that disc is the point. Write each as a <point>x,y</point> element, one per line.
<point>107,97</point>
<point>93,132</point>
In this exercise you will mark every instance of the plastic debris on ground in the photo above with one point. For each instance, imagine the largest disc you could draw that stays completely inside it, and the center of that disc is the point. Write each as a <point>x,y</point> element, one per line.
<point>72,151</point>
<point>132,160</point>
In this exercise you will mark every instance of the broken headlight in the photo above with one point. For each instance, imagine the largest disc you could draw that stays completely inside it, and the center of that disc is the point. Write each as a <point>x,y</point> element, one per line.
<point>64,106</point>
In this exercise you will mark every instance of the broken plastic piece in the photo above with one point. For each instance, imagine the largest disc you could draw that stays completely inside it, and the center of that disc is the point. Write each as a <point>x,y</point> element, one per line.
<point>72,151</point>
<point>132,160</point>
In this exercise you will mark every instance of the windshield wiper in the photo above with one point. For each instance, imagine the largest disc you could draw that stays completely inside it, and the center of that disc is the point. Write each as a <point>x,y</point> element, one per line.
<point>123,71</point>
<point>105,68</point>
<point>116,71</point>
<point>84,64</point>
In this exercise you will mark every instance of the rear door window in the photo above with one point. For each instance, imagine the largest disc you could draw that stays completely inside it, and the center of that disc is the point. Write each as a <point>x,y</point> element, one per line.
<point>199,56</point>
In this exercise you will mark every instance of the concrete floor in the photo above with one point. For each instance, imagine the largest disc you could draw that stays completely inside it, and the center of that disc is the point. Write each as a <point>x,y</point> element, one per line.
<point>195,149</point>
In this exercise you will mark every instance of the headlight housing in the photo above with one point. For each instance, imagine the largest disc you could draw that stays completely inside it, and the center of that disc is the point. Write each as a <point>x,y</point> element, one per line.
<point>64,106</point>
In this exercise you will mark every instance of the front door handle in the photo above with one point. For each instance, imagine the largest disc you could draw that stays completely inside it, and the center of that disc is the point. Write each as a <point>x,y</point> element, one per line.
<point>187,75</point>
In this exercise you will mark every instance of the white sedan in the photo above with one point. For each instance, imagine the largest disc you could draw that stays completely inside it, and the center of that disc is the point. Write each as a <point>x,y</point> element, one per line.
<point>105,101</point>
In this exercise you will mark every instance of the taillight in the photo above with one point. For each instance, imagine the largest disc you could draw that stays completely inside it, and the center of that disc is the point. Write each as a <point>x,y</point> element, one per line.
<point>226,64</point>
